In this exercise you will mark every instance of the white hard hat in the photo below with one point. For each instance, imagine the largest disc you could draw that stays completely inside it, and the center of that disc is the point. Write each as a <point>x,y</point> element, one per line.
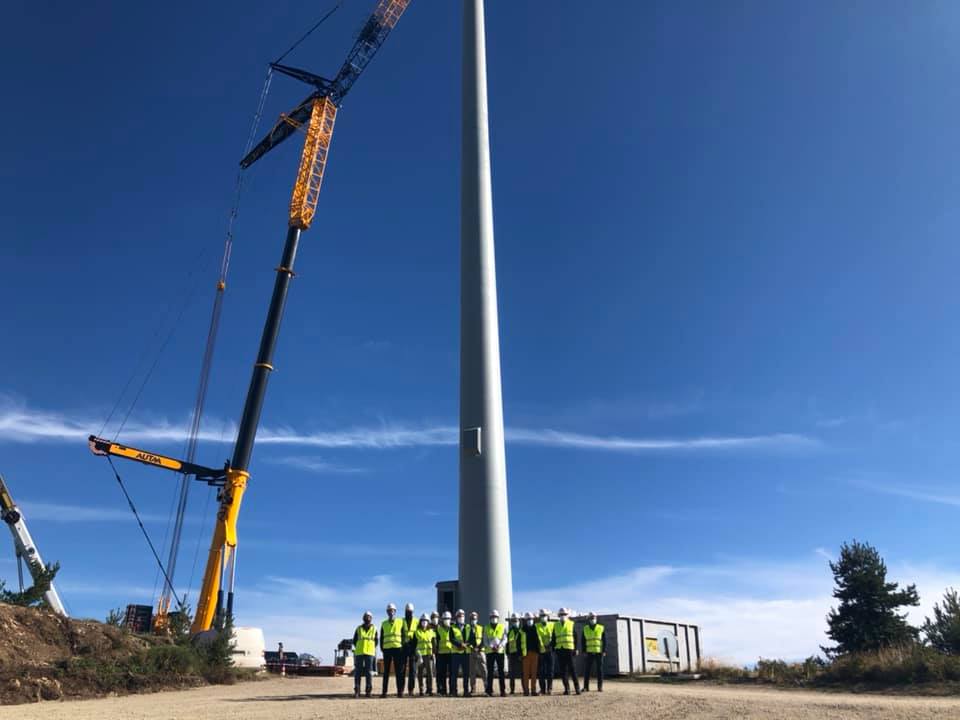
<point>513,616</point>
<point>473,613</point>
<point>446,615</point>
<point>408,608</point>
<point>544,611</point>
<point>494,613</point>
<point>460,612</point>
<point>424,617</point>
<point>591,615</point>
<point>528,616</point>
<point>562,611</point>
<point>390,607</point>
<point>368,614</point>
<point>435,614</point>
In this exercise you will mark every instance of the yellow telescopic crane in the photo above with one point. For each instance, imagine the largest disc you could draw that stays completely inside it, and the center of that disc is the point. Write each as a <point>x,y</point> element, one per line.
<point>316,116</point>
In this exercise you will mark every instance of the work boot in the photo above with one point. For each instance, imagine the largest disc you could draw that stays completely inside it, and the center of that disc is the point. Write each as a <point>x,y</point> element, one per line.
<point>576,689</point>
<point>567,692</point>
<point>586,688</point>
<point>526,693</point>
<point>356,693</point>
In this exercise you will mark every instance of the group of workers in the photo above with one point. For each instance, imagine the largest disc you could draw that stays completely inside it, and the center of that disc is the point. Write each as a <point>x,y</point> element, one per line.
<point>445,647</point>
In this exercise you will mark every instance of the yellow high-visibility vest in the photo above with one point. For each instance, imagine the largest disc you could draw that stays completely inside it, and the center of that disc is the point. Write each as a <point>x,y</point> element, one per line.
<point>593,637</point>
<point>546,634</point>
<point>424,638</point>
<point>366,640</point>
<point>492,633</point>
<point>408,629</point>
<point>516,641</point>
<point>445,641</point>
<point>391,633</point>
<point>563,635</point>
<point>461,635</point>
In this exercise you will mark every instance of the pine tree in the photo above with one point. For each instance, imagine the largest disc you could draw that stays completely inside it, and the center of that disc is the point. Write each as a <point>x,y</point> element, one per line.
<point>943,632</point>
<point>33,595</point>
<point>867,617</point>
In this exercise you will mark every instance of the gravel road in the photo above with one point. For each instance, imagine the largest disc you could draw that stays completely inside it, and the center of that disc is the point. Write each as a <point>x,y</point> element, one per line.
<point>301,698</point>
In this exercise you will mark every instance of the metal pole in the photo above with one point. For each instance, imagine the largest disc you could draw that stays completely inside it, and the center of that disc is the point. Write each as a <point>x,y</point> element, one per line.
<point>486,576</point>
<point>247,431</point>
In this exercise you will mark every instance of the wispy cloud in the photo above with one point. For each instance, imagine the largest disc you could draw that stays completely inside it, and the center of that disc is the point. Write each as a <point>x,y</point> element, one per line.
<point>319,549</point>
<point>930,495</point>
<point>19,423</point>
<point>69,513</point>
<point>316,465</point>
<point>558,438</point>
<point>833,422</point>
<point>824,553</point>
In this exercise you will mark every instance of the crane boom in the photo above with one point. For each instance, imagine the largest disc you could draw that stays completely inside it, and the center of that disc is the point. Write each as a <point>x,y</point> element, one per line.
<point>370,39</point>
<point>25,547</point>
<point>316,115</point>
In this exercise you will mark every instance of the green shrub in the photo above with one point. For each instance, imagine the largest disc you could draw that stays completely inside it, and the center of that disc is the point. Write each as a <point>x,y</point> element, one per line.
<point>905,665</point>
<point>173,660</point>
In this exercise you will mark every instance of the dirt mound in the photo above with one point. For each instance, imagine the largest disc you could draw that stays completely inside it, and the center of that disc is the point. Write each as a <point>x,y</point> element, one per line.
<point>46,657</point>
<point>35,637</point>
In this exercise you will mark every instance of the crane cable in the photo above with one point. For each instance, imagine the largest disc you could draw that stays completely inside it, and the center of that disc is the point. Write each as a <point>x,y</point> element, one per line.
<point>143,530</point>
<point>307,34</point>
<point>194,434</point>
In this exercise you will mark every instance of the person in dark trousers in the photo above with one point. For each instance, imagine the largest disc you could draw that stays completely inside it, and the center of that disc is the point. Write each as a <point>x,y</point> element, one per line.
<point>408,627</point>
<point>565,645</point>
<point>494,646</point>
<point>364,650</point>
<point>460,660</point>
<point>545,666</point>
<point>516,647</point>
<point>391,643</point>
<point>593,642</point>
<point>446,651</point>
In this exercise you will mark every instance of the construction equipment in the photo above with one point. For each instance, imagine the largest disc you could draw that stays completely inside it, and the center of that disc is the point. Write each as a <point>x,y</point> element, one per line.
<point>316,116</point>
<point>26,549</point>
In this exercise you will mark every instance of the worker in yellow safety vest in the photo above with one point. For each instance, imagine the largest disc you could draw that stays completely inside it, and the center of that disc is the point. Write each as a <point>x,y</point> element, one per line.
<point>391,643</point>
<point>494,647</point>
<point>565,646</point>
<point>533,650</point>
<point>409,626</point>
<point>448,640</point>
<point>364,651</point>
<point>545,666</point>
<point>516,649</point>
<point>594,644</point>
<point>460,659</point>
<point>425,646</point>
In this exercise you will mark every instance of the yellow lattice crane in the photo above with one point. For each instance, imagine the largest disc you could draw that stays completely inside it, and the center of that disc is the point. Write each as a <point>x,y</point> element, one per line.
<point>315,116</point>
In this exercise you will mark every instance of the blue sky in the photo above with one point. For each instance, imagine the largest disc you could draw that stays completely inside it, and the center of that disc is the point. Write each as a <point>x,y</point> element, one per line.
<point>726,259</point>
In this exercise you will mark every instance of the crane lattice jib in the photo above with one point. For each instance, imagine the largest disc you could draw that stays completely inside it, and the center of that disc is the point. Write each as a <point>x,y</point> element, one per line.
<point>313,160</point>
<point>370,39</point>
